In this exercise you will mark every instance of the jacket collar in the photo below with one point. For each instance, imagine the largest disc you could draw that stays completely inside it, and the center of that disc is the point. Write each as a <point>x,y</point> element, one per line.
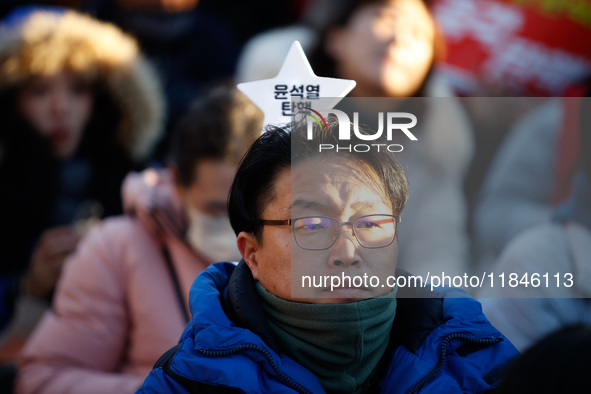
<point>243,306</point>
<point>419,311</point>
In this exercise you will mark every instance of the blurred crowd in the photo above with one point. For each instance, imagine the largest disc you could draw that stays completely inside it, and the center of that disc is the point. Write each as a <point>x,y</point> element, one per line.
<point>121,130</point>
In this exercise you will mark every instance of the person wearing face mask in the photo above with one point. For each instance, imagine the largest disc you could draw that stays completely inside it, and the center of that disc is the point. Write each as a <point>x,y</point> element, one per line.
<point>259,327</point>
<point>80,107</point>
<point>123,298</point>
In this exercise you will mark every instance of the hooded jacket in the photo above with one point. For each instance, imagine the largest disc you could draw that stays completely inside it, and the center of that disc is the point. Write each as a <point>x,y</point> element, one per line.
<point>116,308</point>
<point>126,123</point>
<point>41,191</point>
<point>439,344</point>
<point>46,41</point>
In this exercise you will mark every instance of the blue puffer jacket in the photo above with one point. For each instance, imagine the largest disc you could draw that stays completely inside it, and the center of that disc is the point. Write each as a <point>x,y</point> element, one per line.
<point>437,345</point>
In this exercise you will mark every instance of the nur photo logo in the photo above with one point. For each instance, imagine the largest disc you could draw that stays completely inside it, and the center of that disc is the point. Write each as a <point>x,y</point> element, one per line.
<point>394,123</point>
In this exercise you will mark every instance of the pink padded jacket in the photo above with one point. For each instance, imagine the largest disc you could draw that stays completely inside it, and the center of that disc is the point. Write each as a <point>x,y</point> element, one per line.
<point>115,310</point>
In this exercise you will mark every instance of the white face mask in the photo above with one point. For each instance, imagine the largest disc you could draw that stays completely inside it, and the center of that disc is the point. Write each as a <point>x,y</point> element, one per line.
<point>212,236</point>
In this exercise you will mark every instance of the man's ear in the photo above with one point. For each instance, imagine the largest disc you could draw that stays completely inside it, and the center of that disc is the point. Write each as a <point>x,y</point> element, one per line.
<point>247,245</point>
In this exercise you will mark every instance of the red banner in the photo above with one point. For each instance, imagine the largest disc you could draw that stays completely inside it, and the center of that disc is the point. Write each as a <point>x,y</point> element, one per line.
<point>537,47</point>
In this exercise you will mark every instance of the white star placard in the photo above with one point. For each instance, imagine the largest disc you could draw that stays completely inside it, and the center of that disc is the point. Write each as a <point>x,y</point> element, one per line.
<point>295,81</point>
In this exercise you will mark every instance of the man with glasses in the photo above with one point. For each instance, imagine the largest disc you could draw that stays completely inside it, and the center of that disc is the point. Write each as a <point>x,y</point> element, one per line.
<point>299,213</point>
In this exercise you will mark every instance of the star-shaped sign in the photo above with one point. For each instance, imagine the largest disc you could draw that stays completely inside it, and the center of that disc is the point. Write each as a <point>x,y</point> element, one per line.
<point>295,81</point>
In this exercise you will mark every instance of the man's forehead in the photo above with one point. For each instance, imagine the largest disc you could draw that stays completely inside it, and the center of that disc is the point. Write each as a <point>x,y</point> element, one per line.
<point>336,196</point>
<point>324,186</point>
<point>328,204</point>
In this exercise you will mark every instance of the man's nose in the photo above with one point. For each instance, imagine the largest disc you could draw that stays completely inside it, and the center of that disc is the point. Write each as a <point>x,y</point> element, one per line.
<point>344,251</point>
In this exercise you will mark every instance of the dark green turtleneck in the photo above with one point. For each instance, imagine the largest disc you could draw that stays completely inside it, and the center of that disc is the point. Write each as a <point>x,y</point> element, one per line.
<point>340,343</point>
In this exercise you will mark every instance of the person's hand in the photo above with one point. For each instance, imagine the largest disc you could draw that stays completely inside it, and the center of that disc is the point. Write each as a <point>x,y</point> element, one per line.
<point>47,259</point>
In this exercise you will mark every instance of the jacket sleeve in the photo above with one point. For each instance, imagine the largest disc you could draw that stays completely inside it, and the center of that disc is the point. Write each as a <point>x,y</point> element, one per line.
<point>79,345</point>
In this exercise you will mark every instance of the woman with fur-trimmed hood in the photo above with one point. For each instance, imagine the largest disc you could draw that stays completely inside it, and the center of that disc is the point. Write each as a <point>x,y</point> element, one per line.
<point>79,108</point>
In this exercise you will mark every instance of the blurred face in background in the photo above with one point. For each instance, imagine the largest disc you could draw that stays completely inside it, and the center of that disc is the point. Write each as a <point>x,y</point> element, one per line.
<point>205,202</point>
<point>159,5</point>
<point>58,108</point>
<point>387,47</point>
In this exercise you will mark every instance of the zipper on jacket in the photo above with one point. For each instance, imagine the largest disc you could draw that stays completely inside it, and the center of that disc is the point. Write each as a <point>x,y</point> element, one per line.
<point>443,351</point>
<point>222,353</point>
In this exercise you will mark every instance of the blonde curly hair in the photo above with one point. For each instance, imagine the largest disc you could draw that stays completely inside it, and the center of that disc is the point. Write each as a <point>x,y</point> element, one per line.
<point>46,43</point>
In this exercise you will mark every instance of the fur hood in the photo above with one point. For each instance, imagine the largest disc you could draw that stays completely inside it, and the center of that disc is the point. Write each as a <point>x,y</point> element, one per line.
<point>44,43</point>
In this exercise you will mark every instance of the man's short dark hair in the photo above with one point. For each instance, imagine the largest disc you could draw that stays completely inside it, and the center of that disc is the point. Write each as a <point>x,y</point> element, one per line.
<point>220,125</point>
<point>278,149</point>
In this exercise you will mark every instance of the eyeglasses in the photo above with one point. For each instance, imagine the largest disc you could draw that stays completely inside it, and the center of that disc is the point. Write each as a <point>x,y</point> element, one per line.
<point>319,232</point>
